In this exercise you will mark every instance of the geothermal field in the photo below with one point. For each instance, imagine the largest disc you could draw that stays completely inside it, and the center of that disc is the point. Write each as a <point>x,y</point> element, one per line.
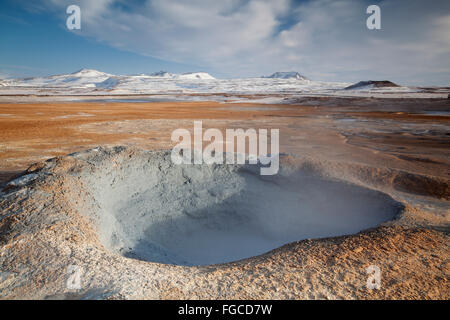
<point>87,182</point>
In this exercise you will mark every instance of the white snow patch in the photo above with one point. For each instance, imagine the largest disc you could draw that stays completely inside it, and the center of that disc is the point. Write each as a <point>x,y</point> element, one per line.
<point>196,75</point>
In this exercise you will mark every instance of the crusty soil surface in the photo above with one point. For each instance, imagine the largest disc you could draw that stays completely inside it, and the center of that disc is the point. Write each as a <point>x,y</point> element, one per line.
<point>403,154</point>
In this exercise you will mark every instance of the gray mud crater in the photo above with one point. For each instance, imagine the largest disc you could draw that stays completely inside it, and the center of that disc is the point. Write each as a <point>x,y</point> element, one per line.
<point>149,209</point>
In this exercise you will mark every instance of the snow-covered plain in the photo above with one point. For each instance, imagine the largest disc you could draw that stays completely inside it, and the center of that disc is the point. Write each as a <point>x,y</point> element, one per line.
<point>279,86</point>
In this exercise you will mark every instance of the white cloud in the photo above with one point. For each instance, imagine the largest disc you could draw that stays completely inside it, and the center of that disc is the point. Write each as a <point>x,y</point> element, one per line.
<point>243,37</point>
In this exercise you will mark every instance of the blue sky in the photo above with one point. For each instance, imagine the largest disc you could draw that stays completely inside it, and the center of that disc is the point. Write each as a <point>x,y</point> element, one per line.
<point>37,43</point>
<point>322,39</point>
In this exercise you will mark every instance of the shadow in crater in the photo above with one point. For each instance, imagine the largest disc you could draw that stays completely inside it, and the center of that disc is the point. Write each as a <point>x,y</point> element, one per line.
<point>268,213</point>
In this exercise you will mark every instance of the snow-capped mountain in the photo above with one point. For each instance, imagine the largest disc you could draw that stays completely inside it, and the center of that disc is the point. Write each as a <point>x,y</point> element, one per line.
<point>82,78</point>
<point>189,75</point>
<point>88,73</point>
<point>88,81</point>
<point>88,78</point>
<point>287,75</point>
<point>196,75</point>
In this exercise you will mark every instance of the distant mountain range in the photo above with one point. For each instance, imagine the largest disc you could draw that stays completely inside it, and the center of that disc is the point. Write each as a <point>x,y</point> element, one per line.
<point>94,78</point>
<point>89,81</point>
<point>89,78</point>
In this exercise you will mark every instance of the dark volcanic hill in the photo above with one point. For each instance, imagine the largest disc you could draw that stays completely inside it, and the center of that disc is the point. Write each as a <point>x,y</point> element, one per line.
<point>372,84</point>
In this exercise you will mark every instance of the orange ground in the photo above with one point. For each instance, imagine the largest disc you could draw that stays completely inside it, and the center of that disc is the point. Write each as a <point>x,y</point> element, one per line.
<point>34,132</point>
